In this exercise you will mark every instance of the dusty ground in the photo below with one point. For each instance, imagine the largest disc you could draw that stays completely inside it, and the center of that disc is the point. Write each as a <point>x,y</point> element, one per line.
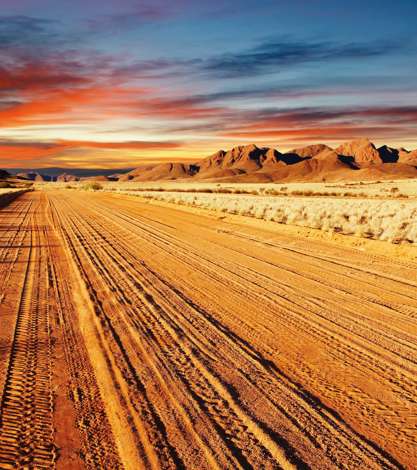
<point>385,211</point>
<point>370,189</point>
<point>134,335</point>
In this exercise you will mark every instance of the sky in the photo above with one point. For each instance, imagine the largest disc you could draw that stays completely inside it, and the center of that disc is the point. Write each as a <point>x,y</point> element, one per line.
<point>119,83</point>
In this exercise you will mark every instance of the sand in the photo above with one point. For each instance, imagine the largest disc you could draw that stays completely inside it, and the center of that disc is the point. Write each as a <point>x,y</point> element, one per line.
<point>172,338</point>
<point>377,210</point>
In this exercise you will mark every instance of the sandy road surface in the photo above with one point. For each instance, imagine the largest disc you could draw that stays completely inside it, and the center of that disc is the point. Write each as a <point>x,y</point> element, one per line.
<point>44,367</point>
<point>168,339</point>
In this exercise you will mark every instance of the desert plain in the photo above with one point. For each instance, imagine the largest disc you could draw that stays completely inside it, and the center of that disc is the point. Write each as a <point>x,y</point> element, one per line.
<point>206,325</point>
<point>208,235</point>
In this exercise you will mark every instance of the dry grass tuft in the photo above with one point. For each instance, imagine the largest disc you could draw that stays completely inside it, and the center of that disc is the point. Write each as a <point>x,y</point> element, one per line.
<point>92,186</point>
<point>389,220</point>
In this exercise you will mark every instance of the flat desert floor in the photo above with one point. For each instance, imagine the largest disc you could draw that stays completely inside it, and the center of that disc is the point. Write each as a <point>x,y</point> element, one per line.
<point>135,336</point>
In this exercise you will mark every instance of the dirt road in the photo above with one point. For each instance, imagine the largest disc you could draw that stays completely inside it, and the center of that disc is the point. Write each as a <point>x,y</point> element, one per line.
<point>139,336</point>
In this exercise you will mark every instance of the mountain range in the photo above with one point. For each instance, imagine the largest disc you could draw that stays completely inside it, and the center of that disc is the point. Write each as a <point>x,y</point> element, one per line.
<point>359,159</point>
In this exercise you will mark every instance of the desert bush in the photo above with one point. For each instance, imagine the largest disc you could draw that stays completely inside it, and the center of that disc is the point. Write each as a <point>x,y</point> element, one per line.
<point>273,192</point>
<point>391,220</point>
<point>93,186</point>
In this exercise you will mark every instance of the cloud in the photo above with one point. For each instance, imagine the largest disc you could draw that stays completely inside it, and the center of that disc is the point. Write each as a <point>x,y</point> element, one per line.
<point>276,55</point>
<point>17,31</point>
<point>53,106</point>
<point>323,123</point>
<point>133,144</point>
<point>39,76</point>
<point>157,68</point>
<point>93,102</point>
<point>313,134</point>
<point>59,84</point>
<point>81,86</point>
<point>132,19</point>
<point>388,115</point>
<point>49,151</point>
<point>184,108</point>
<point>23,38</point>
<point>132,15</point>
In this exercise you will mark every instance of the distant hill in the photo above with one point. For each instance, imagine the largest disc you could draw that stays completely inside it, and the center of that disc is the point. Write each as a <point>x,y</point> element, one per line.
<point>9,180</point>
<point>33,176</point>
<point>4,174</point>
<point>53,172</point>
<point>358,159</point>
<point>66,178</point>
<point>99,178</point>
<point>162,171</point>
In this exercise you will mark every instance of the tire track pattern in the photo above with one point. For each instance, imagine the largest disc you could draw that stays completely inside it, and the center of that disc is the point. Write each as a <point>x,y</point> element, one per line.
<point>219,354</point>
<point>26,413</point>
<point>51,412</point>
<point>99,449</point>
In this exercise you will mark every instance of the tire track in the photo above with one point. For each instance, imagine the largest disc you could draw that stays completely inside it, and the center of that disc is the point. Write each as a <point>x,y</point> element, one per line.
<point>99,449</point>
<point>286,302</point>
<point>150,312</point>
<point>206,390</point>
<point>26,429</point>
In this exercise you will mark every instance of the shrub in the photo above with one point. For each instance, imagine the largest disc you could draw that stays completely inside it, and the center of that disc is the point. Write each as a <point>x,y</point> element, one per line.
<point>371,218</point>
<point>94,186</point>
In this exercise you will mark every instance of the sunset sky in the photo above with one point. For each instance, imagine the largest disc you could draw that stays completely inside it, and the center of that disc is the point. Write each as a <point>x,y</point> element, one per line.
<point>115,83</point>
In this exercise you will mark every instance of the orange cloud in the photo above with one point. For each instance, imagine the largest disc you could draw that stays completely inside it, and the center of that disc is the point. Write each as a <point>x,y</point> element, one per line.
<point>37,76</point>
<point>12,151</point>
<point>171,108</point>
<point>95,103</point>
<point>64,105</point>
<point>322,134</point>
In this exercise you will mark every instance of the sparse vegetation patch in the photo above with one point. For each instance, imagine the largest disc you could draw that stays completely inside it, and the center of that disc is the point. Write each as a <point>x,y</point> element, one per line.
<point>393,220</point>
<point>93,186</point>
